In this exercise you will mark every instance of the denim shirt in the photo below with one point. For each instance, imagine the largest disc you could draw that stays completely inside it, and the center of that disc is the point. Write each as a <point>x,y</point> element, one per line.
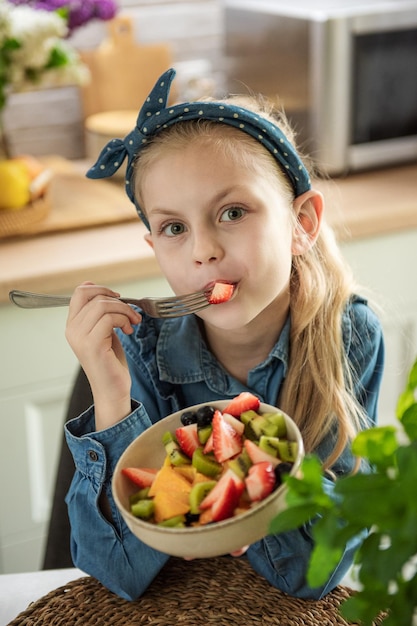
<point>172,368</point>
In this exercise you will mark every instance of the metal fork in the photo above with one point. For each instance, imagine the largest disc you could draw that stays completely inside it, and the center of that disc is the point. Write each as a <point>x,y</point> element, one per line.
<point>175,306</point>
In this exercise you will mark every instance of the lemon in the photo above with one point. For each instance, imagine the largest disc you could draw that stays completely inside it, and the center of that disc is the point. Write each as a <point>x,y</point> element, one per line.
<point>14,185</point>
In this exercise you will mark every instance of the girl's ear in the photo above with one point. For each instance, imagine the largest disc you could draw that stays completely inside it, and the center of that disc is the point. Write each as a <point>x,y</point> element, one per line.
<point>308,209</point>
<point>148,239</point>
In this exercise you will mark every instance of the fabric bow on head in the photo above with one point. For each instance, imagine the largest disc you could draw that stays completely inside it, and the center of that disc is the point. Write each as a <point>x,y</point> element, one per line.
<point>155,116</point>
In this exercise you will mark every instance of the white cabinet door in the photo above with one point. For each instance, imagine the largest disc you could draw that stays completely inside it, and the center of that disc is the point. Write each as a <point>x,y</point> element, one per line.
<point>36,372</point>
<point>30,430</point>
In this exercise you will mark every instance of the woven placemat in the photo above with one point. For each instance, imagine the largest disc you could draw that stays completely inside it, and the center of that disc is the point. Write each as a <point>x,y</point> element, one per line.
<point>220,592</point>
<point>14,223</point>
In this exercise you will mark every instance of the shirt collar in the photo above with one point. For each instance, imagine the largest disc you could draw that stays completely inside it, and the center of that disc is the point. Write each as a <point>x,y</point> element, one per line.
<point>183,357</point>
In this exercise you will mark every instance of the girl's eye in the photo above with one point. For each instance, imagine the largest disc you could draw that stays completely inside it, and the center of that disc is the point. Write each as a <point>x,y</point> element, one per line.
<point>173,229</point>
<point>232,214</point>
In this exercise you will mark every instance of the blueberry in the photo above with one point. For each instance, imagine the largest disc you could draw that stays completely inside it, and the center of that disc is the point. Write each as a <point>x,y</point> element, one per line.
<point>188,417</point>
<point>204,415</point>
<point>280,470</point>
<point>191,518</point>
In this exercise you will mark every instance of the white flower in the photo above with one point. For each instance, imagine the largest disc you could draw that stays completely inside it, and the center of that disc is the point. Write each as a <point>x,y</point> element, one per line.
<point>37,32</point>
<point>43,57</point>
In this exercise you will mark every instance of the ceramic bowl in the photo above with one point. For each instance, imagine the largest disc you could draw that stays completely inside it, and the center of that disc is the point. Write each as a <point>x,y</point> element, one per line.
<point>204,541</point>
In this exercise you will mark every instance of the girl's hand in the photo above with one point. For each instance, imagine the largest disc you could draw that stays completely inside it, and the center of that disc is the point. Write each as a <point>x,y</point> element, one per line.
<point>239,552</point>
<point>94,313</point>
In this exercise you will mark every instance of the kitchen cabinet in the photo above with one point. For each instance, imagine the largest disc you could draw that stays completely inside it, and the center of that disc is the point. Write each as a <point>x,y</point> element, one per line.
<point>385,266</point>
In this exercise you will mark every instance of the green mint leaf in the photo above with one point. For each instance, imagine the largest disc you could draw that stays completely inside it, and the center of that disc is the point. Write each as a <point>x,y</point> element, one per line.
<point>323,560</point>
<point>412,377</point>
<point>378,445</point>
<point>407,398</point>
<point>292,518</point>
<point>409,421</point>
<point>358,609</point>
<point>364,498</point>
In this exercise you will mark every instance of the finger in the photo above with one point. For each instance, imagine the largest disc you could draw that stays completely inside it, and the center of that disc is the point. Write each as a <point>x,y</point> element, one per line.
<point>240,551</point>
<point>99,317</point>
<point>87,291</point>
<point>91,328</point>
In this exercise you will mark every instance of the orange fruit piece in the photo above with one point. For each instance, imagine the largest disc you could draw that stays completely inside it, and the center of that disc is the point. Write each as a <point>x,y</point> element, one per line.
<point>171,494</point>
<point>167,479</point>
<point>167,505</point>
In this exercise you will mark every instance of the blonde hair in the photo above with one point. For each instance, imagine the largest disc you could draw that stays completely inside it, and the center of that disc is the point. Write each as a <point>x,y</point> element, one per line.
<point>318,391</point>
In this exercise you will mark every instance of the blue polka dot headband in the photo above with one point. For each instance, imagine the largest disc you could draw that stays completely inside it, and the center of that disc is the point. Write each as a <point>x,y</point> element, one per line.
<point>154,117</point>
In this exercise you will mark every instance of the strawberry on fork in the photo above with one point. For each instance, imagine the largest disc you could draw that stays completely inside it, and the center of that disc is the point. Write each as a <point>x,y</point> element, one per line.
<point>221,292</point>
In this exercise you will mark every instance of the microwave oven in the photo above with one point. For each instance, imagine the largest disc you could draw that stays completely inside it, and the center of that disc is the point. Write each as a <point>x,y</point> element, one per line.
<point>344,71</point>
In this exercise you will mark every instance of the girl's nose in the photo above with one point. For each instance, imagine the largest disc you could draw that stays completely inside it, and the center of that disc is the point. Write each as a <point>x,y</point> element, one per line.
<point>206,248</point>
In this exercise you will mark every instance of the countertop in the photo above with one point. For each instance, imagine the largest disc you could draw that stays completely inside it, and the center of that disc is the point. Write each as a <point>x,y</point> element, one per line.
<point>358,206</point>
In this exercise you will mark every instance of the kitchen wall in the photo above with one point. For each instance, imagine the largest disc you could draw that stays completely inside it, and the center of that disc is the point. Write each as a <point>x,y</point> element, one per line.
<point>51,121</point>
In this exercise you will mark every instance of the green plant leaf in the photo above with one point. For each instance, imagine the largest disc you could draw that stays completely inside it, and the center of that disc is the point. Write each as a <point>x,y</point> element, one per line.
<point>323,561</point>
<point>378,445</point>
<point>293,518</point>
<point>382,561</point>
<point>360,609</point>
<point>409,421</point>
<point>381,503</point>
<point>305,497</point>
<point>407,398</point>
<point>57,58</point>
<point>412,376</point>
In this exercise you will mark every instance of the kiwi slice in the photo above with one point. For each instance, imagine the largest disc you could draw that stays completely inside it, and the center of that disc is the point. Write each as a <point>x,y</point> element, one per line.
<point>143,508</point>
<point>168,439</point>
<point>240,464</point>
<point>254,428</point>
<point>206,463</point>
<point>247,416</point>
<point>278,419</point>
<point>269,445</point>
<point>287,450</point>
<point>177,457</point>
<point>139,495</point>
<point>204,433</point>
<point>198,493</point>
<point>174,452</point>
<point>178,521</point>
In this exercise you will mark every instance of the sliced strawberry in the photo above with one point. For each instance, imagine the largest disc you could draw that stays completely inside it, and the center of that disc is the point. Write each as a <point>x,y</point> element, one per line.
<point>221,292</point>
<point>225,505</point>
<point>235,423</point>
<point>218,489</point>
<point>187,438</point>
<point>140,476</point>
<point>257,455</point>
<point>226,440</point>
<point>245,401</point>
<point>260,481</point>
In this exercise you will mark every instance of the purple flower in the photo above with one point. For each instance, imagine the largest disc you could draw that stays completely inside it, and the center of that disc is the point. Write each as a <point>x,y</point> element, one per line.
<point>78,12</point>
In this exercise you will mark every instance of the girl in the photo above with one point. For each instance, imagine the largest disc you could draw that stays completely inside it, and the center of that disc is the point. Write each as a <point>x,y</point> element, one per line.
<point>226,198</point>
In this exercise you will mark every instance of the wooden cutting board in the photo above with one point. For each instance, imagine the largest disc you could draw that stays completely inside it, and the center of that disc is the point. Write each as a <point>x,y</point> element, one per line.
<point>123,72</point>
<point>76,202</point>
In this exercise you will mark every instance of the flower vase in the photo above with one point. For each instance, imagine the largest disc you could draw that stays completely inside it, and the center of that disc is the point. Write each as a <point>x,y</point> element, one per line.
<point>4,144</point>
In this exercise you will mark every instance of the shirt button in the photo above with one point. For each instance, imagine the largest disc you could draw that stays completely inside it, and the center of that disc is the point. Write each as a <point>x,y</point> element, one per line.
<point>93,455</point>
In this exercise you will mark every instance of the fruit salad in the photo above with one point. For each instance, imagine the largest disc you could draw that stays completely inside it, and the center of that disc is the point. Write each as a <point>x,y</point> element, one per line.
<point>218,464</point>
